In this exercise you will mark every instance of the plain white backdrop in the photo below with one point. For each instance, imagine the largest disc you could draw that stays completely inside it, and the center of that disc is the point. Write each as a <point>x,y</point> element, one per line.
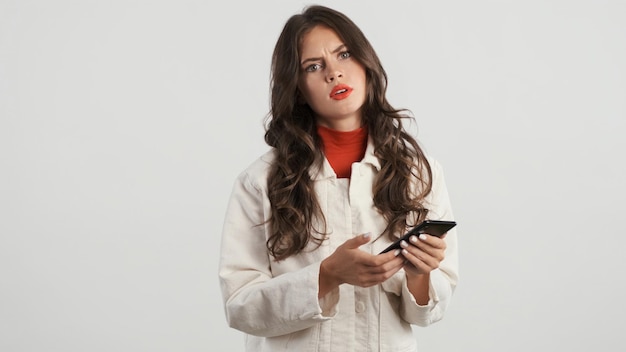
<point>124,123</point>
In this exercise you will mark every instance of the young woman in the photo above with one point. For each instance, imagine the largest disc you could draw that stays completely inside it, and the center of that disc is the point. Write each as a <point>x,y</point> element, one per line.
<point>299,267</point>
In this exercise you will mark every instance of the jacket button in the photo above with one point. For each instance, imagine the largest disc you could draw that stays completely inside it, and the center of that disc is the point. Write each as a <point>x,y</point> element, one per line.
<point>360,307</point>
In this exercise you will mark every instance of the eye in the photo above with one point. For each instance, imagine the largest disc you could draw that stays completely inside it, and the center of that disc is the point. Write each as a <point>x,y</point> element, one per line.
<point>313,68</point>
<point>344,54</point>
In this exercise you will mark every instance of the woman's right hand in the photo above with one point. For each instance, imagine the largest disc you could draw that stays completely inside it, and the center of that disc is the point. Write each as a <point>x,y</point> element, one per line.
<point>350,265</point>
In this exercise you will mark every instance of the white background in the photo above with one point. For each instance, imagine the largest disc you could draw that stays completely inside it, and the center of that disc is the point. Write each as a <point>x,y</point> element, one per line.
<point>124,123</point>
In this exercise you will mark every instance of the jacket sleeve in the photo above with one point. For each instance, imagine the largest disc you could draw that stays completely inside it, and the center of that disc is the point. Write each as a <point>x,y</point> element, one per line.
<point>257,302</point>
<point>443,280</point>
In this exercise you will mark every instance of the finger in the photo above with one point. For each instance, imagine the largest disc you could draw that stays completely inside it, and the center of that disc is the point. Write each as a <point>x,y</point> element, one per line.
<point>433,246</point>
<point>397,265</point>
<point>389,268</point>
<point>429,257</point>
<point>420,257</point>
<point>413,261</point>
<point>416,262</point>
<point>431,240</point>
<point>358,241</point>
<point>377,278</point>
<point>430,244</point>
<point>381,259</point>
<point>388,265</point>
<point>376,264</point>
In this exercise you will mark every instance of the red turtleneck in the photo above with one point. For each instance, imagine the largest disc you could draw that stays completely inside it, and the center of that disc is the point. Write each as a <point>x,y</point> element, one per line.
<point>343,148</point>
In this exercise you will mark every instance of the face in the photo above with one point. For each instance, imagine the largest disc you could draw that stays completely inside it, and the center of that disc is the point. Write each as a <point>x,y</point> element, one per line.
<point>331,81</point>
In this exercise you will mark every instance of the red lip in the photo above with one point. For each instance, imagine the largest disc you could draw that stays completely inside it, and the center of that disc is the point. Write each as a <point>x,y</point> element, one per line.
<point>340,91</point>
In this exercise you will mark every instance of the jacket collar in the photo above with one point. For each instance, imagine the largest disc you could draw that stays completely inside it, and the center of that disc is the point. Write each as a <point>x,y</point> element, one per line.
<point>326,171</point>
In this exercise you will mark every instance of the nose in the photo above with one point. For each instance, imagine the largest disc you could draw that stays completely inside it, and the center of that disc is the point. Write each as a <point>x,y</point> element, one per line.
<point>333,73</point>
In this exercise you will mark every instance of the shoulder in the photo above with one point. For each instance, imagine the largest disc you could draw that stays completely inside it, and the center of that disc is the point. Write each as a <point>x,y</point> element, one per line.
<point>435,166</point>
<point>256,174</point>
<point>437,171</point>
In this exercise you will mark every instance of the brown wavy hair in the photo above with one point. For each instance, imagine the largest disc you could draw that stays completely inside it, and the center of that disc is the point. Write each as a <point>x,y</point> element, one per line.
<point>291,130</point>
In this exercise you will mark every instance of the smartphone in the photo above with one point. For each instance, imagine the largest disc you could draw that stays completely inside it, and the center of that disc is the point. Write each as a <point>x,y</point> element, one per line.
<point>432,227</point>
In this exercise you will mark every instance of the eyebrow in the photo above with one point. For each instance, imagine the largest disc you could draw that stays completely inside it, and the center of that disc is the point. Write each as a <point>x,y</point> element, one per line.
<point>338,49</point>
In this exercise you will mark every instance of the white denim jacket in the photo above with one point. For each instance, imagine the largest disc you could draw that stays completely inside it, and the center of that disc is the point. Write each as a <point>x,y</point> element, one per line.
<point>275,302</point>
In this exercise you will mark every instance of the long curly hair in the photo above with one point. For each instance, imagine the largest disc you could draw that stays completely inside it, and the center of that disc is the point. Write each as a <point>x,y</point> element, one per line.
<point>405,177</point>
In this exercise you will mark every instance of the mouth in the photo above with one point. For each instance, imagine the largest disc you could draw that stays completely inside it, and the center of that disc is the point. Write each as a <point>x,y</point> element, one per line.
<point>340,91</point>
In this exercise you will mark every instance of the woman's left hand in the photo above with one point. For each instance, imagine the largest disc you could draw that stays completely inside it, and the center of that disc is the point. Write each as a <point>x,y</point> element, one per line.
<point>423,254</point>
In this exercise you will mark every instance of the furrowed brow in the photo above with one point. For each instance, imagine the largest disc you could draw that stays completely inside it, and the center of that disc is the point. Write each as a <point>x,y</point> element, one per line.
<point>338,49</point>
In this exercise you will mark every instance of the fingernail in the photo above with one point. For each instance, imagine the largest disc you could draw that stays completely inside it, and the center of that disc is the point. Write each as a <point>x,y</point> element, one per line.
<point>423,237</point>
<point>367,235</point>
<point>413,239</point>
<point>403,244</point>
<point>397,252</point>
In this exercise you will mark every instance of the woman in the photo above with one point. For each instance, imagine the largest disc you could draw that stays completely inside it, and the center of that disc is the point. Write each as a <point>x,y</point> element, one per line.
<point>299,267</point>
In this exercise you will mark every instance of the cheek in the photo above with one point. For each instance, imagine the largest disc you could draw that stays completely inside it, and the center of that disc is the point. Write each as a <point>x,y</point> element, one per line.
<point>362,76</point>
<point>357,74</point>
<point>307,85</point>
<point>312,93</point>
<point>360,80</point>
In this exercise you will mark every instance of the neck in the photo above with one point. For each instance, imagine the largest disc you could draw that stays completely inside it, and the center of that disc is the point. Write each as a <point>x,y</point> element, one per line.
<point>343,125</point>
<point>343,148</point>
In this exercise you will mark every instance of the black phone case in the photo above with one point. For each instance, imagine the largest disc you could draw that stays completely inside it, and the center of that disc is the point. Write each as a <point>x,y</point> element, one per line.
<point>432,227</point>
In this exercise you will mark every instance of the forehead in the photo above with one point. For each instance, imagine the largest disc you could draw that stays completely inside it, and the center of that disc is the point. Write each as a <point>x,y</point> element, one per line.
<point>319,39</point>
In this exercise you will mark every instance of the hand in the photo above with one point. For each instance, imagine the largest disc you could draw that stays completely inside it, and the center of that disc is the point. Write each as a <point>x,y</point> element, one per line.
<point>348,264</point>
<point>423,254</point>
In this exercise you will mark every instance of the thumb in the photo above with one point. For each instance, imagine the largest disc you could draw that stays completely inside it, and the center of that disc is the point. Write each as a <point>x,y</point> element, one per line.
<point>358,241</point>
